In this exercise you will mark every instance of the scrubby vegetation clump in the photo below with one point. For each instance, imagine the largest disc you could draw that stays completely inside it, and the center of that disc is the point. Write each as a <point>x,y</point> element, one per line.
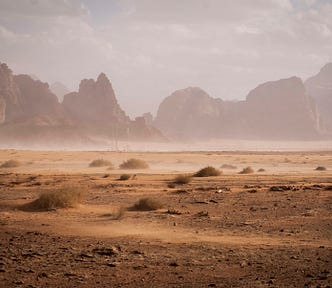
<point>182,179</point>
<point>247,170</point>
<point>64,197</point>
<point>207,172</point>
<point>125,177</point>
<point>134,164</point>
<point>147,204</point>
<point>100,163</point>
<point>320,168</point>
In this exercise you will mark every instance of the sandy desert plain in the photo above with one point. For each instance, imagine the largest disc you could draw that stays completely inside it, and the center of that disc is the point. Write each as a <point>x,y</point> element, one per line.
<point>265,229</point>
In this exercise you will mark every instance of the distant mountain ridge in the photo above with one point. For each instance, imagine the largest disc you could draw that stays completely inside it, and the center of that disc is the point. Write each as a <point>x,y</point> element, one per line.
<point>31,113</point>
<point>285,109</point>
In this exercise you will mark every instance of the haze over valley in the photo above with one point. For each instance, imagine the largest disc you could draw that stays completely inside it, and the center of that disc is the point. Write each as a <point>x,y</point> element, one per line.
<point>165,143</point>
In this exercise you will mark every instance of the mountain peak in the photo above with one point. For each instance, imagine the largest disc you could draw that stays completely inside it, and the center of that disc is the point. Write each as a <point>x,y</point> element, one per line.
<point>102,78</point>
<point>327,68</point>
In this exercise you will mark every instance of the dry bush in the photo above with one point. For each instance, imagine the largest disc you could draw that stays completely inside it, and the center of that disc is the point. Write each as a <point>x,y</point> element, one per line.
<point>261,170</point>
<point>100,163</point>
<point>182,179</point>
<point>207,172</point>
<point>134,164</point>
<point>64,197</point>
<point>10,164</point>
<point>321,168</point>
<point>125,177</point>
<point>146,204</point>
<point>247,170</point>
<point>228,166</point>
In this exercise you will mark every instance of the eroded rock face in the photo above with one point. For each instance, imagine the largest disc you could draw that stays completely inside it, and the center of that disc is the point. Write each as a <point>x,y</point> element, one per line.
<point>9,95</point>
<point>319,87</point>
<point>95,102</point>
<point>281,110</point>
<point>38,101</point>
<point>189,112</point>
<point>273,110</point>
<point>2,110</point>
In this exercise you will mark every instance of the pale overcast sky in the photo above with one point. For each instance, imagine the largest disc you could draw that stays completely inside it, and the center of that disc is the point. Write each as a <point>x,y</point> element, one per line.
<point>149,48</point>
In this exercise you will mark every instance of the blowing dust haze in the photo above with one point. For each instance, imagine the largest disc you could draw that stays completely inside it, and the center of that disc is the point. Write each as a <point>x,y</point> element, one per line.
<point>113,74</point>
<point>165,143</point>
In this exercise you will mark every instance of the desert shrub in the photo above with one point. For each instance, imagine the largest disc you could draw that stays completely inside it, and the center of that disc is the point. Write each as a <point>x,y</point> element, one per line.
<point>228,166</point>
<point>247,170</point>
<point>124,177</point>
<point>134,164</point>
<point>146,204</point>
<point>261,170</point>
<point>321,168</point>
<point>182,179</point>
<point>64,197</point>
<point>10,164</point>
<point>100,163</point>
<point>207,172</point>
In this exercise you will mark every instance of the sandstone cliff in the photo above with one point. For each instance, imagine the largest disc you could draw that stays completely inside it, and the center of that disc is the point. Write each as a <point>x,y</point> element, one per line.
<point>189,112</point>
<point>319,87</point>
<point>274,110</point>
<point>95,103</point>
<point>31,113</point>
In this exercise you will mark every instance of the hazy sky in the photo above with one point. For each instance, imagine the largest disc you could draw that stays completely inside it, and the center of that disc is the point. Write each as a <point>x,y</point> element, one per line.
<point>149,48</point>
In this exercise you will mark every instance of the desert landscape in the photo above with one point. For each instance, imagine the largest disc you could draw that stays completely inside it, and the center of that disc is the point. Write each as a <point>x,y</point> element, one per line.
<point>264,221</point>
<point>168,143</point>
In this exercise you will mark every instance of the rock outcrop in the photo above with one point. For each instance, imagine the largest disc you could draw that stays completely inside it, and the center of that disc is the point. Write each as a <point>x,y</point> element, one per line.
<point>281,110</point>
<point>95,103</point>
<point>9,95</point>
<point>37,101</point>
<point>189,112</point>
<point>31,113</point>
<point>273,110</point>
<point>319,87</point>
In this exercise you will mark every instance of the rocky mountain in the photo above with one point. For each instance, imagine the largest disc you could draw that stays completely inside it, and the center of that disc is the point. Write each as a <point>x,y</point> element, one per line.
<point>319,87</point>
<point>23,98</point>
<point>189,112</point>
<point>274,110</point>
<point>95,103</point>
<point>59,89</point>
<point>30,112</point>
<point>281,110</point>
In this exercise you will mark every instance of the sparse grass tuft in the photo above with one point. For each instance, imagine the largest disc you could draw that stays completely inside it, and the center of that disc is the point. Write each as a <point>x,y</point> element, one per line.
<point>125,177</point>
<point>321,168</point>
<point>182,179</point>
<point>100,163</point>
<point>261,170</point>
<point>10,164</point>
<point>146,204</point>
<point>134,164</point>
<point>207,172</point>
<point>247,170</point>
<point>64,197</point>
